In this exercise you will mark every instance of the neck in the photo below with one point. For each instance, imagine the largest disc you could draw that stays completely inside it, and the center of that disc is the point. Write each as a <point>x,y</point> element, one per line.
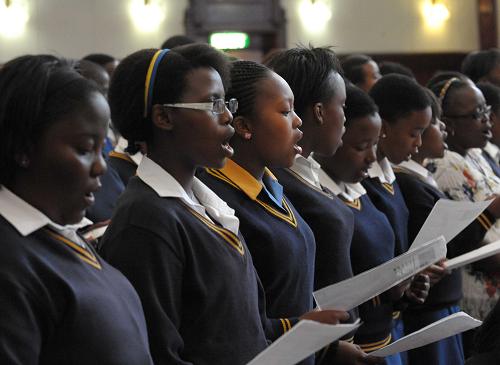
<point>418,159</point>
<point>455,147</point>
<point>380,154</point>
<point>171,162</point>
<point>245,156</point>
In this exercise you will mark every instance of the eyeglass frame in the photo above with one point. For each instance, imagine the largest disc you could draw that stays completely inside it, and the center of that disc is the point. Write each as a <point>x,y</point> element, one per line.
<point>476,115</point>
<point>231,105</point>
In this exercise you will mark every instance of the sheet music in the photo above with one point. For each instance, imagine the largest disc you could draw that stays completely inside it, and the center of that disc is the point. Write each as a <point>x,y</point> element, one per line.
<point>303,340</point>
<point>475,255</point>
<point>446,327</point>
<point>351,292</point>
<point>448,218</point>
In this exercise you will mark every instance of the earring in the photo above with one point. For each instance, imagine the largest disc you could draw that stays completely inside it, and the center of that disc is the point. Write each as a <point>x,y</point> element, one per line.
<point>24,162</point>
<point>383,135</point>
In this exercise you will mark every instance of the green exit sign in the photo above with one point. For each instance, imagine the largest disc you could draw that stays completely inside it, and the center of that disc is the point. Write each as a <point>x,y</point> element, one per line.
<point>229,40</point>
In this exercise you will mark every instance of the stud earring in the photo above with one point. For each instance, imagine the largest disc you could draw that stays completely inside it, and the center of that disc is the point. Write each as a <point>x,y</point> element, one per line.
<point>24,162</point>
<point>383,135</point>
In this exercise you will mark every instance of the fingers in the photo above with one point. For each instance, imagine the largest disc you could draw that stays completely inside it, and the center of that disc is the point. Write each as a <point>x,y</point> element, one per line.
<point>419,289</point>
<point>326,316</point>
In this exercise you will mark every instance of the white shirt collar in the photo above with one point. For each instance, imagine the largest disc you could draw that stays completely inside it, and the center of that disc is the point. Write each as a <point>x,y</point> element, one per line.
<point>349,191</point>
<point>383,170</point>
<point>165,185</point>
<point>26,219</point>
<point>121,146</point>
<point>308,169</point>
<point>420,171</point>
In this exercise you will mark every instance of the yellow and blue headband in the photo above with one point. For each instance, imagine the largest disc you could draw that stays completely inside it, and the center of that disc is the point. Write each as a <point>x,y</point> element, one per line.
<point>445,88</point>
<point>150,79</point>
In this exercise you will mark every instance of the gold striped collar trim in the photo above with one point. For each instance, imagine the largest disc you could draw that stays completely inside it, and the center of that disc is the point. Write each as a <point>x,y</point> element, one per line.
<point>289,217</point>
<point>372,346</point>
<point>356,203</point>
<point>243,179</point>
<point>228,236</point>
<point>389,187</point>
<point>122,156</point>
<point>85,255</point>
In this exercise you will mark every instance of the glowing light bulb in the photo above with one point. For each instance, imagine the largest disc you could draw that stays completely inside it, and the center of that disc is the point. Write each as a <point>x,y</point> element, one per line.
<point>13,18</point>
<point>314,15</point>
<point>435,14</point>
<point>147,15</point>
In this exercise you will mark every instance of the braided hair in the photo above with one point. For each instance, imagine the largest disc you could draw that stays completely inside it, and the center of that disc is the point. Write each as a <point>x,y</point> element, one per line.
<point>245,76</point>
<point>306,70</point>
<point>444,91</point>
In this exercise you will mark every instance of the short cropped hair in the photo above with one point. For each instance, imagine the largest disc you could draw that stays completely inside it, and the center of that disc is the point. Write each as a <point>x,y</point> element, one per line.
<point>397,96</point>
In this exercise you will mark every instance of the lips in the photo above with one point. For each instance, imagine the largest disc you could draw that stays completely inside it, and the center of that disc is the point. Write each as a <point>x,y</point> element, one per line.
<point>226,147</point>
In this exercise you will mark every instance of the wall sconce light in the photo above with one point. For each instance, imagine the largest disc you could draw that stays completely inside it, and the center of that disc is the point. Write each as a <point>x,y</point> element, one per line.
<point>14,15</point>
<point>435,13</point>
<point>147,15</point>
<point>315,14</point>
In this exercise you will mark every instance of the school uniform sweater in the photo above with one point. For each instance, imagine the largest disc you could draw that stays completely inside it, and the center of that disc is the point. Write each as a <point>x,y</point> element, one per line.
<point>332,223</point>
<point>281,242</point>
<point>420,198</point>
<point>201,295</point>
<point>387,197</point>
<point>123,165</point>
<point>372,245</point>
<point>60,303</point>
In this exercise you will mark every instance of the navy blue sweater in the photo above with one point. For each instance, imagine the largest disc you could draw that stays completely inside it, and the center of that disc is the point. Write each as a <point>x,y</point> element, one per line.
<point>372,245</point>
<point>62,304</point>
<point>420,198</point>
<point>123,165</point>
<point>389,200</point>
<point>281,243</point>
<point>201,295</point>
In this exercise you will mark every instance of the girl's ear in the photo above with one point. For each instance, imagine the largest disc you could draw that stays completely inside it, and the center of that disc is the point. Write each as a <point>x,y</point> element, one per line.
<point>450,125</point>
<point>161,117</point>
<point>318,112</point>
<point>242,127</point>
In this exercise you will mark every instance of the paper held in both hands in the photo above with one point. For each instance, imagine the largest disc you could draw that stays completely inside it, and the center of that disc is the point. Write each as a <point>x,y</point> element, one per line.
<point>446,220</point>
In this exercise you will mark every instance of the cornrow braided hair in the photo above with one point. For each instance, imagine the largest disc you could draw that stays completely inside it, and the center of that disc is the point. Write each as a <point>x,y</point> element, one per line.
<point>245,76</point>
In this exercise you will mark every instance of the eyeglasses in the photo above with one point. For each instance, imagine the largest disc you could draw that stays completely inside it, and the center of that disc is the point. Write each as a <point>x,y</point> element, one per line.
<point>480,113</point>
<point>218,106</point>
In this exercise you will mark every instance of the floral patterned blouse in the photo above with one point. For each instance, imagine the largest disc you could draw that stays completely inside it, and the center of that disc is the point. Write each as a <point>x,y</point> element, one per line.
<point>471,178</point>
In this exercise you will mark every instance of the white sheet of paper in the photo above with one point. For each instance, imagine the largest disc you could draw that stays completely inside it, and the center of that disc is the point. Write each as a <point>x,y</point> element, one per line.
<point>351,292</point>
<point>448,218</point>
<point>475,255</point>
<point>303,340</point>
<point>446,327</point>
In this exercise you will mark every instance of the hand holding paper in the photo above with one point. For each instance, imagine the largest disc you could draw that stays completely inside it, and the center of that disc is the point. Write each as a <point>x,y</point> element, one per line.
<point>352,292</point>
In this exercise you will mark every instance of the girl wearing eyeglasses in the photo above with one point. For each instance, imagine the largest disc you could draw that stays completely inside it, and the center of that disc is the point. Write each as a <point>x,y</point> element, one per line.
<point>281,242</point>
<point>177,242</point>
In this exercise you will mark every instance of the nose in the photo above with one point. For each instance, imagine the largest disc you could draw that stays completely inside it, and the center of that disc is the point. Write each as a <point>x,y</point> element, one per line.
<point>99,166</point>
<point>418,141</point>
<point>371,155</point>
<point>297,122</point>
<point>226,117</point>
